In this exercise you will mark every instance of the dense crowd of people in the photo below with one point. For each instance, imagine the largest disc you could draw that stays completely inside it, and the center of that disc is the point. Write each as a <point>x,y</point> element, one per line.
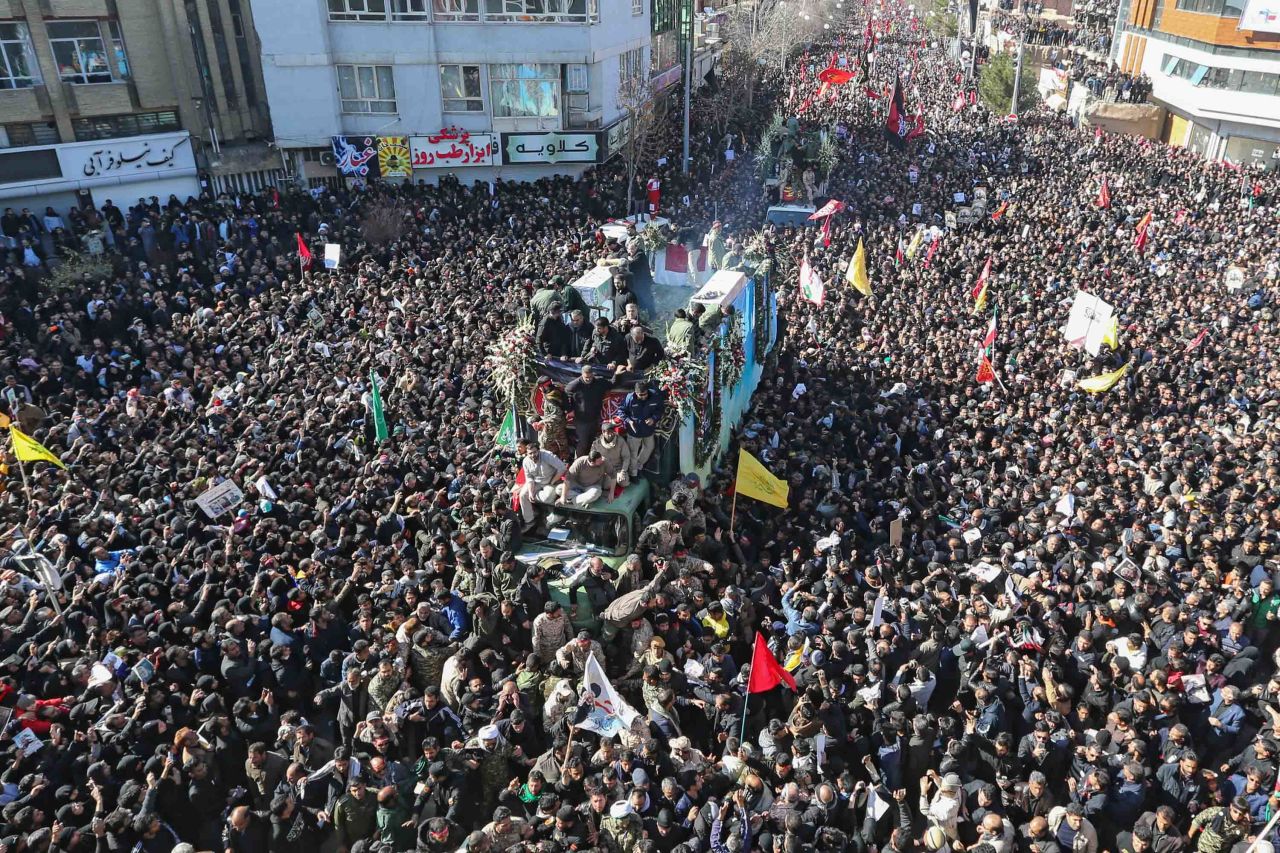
<point>1019,616</point>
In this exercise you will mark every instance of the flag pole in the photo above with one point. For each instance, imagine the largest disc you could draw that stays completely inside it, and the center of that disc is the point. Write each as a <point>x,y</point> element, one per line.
<point>31,545</point>
<point>742,734</point>
<point>733,513</point>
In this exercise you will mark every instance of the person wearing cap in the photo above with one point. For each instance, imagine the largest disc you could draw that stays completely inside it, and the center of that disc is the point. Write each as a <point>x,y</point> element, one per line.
<point>616,453</point>
<point>571,658</point>
<point>354,815</point>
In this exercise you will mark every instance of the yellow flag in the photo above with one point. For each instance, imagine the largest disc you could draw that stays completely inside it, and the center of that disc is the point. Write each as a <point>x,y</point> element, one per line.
<point>981,302</point>
<point>856,274</point>
<point>914,245</point>
<point>27,449</point>
<point>755,481</point>
<point>1111,337</point>
<point>1098,384</point>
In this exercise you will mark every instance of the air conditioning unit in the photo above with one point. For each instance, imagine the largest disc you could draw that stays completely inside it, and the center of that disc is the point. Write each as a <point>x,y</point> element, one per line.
<point>327,159</point>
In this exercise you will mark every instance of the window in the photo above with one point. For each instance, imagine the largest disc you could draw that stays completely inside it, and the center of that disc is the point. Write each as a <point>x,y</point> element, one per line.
<point>80,51</point>
<point>631,65</point>
<point>525,90</point>
<point>18,69</point>
<point>637,7</point>
<point>35,133</point>
<point>367,89</point>
<point>456,10</point>
<point>357,10</point>
<point>542,11</point>
<point>460,89</point>
<point>119,60</point>
<point>410,10</point>
<point>29,166</point>
<point>134,124</point>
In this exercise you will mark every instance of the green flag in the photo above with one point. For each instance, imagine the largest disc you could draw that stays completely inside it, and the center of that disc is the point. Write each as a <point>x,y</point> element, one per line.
<point>379,416</point>
<point>506,438</point>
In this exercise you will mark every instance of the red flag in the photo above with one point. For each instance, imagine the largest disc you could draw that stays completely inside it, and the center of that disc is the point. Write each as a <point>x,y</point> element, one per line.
<point>677,258</point>
<point>986,373</point>
<point>1180,217</point>
<point>999,211</point>
<point>982,280</point>
<point>1104,195</point>
<point>1199,339</point>
<point>826,232</point>
<point>831,207</point>
<point>1140,238</point>
<point>990,337</point>
<point>304,254</point>
<point>766,672</point>
<point>933,247</point>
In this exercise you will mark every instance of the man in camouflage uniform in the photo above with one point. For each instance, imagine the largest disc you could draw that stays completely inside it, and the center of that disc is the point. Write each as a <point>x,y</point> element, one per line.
<point>505,831</point>
<point>661,538</point>
<point>622,831</point>
<point>572,657</point>
<point>427,655</point>
<point>1220,828</point>
<point>551,630</point>
<point>490,756</point>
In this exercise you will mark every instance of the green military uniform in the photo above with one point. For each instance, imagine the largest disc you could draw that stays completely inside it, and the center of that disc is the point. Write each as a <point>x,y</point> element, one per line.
<point>540,302</point>
<point>572,300</point>
<point>391,820</point>
<point>680,335</point>
<point>354,819</point>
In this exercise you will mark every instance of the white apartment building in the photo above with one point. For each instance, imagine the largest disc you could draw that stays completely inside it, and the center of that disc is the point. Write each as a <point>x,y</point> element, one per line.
<point>1215,64</point>
<point>414,89</point>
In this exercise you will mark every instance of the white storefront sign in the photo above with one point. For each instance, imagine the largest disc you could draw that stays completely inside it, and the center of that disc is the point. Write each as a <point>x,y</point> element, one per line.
<point>452,148</point>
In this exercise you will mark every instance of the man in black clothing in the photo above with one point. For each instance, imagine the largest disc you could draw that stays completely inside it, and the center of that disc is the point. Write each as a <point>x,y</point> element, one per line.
<point>605,346</point>
<point>586,395</point>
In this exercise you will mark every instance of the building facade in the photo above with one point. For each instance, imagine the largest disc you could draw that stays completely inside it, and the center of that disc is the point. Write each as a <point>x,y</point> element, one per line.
<point>413,89</point>
<point>124,99</point>
<point>1215,65</point>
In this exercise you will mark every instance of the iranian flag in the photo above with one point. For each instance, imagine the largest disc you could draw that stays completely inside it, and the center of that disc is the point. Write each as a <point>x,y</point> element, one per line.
<point>990,337</point>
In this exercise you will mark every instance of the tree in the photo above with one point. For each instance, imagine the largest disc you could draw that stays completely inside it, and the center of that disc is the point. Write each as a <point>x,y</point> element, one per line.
<point>995,85</point>
<point>643,119</point>
<point>385,222</point>
<point>941,19</point>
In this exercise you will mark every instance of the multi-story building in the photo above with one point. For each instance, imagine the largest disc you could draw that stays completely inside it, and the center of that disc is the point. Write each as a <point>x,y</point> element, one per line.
<point>414,89</point>
<point>123,99</point>
<point>1215,65</point>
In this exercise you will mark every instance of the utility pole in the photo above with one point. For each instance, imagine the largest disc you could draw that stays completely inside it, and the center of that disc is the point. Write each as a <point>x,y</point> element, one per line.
<point>687,25</point>
<point>1017,77</point>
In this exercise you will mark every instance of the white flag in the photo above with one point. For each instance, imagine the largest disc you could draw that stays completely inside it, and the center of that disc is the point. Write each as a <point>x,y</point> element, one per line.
<point>264,488</point>
<point>607,713</point>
